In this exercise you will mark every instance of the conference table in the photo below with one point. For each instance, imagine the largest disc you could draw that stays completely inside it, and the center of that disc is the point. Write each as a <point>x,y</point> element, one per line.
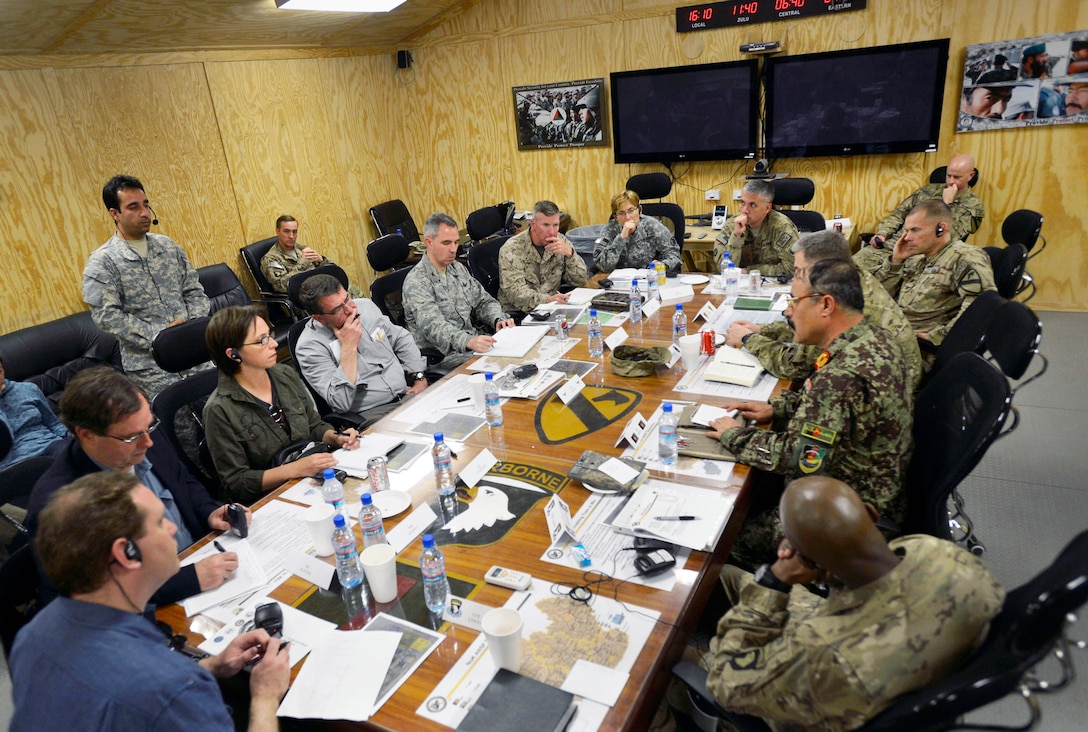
<point>525,452</point>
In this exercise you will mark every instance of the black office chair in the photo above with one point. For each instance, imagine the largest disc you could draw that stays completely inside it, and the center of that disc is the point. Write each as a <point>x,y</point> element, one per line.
<point>279,306</point>
<point>340,420</point>
<point>16,482</point>
<point>385,292</point>
<point>1032,624</point>
<point>1024,226</point>
<point>6,440</point>
<point>1013,340</point>
<point>968,333</point>
<point>294,285</point>
<point>798,192</point>
<point>484,223</point>
<point>1009,264</point>
<point>940,175</point>
<point>224,289</point>
<point>392,217</point>
<point>387,252</point>
<point>18,595</point>
<point>659,185</point>
<point>483,263</point>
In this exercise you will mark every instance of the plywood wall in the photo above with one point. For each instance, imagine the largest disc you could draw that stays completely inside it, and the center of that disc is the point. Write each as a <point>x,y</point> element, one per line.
<point>227,143</point>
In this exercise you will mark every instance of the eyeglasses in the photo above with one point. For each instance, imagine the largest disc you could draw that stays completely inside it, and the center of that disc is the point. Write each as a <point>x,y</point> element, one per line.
<point>131,439</point>
<point>794,300</point>
<point>262,341</point>
<point>627,212</point>
<point>337,310</point>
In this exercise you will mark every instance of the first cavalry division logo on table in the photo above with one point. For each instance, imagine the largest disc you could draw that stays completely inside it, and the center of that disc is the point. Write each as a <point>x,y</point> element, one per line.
<point>594,408</point>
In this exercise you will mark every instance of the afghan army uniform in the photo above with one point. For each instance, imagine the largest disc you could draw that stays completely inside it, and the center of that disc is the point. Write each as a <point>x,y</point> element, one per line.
<point>529,275</point>
<point>770,245</point>
<point>279,266</point>
<point>967,215</point>
<point>443,310</point>
<point>780,355</point>
<point>851,421</point>
<point>651,241</point>
<point>134,299</point>
<point>804,663</point>
<point>933,291</point>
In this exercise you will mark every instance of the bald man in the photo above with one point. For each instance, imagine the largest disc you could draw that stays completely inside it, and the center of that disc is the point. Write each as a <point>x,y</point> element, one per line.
<point>901,616</point>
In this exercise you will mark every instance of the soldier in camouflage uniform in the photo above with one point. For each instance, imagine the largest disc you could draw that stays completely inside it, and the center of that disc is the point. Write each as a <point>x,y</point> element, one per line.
<point>631,240</point>
<point>534,263</point>
<point>933,277</point>
<point>445,307</point>
<point>773,343</point>
<point>139,283</point>
<point>902,615</point>
<point>284,259</point>
<point>967,212</point>
<point>769,234</point>
<point>852,420</point>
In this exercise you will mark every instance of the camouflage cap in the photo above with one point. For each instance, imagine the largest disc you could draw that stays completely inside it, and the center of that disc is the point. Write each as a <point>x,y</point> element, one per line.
<point>638,361</point>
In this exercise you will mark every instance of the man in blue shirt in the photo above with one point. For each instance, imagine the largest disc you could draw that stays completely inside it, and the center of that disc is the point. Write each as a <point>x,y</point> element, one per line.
<point>90,661</point>
<point>27,414</point>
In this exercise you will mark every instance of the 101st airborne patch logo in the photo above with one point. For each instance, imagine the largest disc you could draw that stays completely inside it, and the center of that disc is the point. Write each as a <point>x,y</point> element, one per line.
<point>594,408</point>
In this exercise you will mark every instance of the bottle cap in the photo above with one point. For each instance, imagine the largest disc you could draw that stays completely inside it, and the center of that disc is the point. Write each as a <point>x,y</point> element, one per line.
<point>488,376</point>
<point>593,312</point>
<point>428,541</point>
<point>366,499</point>
<point>666,407</point>
<point>438,437</point>
<point>338,520</point>
<point>679,306</point>
<point>328,474</point>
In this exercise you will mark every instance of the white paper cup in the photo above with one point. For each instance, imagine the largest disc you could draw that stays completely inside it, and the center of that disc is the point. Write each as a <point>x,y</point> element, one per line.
<point>319,521</point>
<point>502,627</point>
<point>380,564</point>
<point>476,384</point>
<point>690,345</point>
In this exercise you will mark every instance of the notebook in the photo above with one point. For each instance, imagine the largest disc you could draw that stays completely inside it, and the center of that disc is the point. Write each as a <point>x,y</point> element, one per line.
<point>516,703</point>
<point>733,366</point>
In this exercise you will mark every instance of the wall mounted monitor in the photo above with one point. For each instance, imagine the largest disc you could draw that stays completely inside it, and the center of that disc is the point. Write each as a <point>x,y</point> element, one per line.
<point>865,101</point>
<point>703,112</point>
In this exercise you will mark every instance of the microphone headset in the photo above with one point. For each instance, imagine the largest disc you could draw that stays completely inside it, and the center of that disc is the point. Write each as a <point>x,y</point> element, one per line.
<point>154,216</point>
<point>940,229</point>
<point>132,551</point>
<point>234,355</point>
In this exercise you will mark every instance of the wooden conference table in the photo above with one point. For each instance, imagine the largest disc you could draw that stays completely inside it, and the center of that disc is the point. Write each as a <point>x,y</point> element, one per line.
<point>522,451</point>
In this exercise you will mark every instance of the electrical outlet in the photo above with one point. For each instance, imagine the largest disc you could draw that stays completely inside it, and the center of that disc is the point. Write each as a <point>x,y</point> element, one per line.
<point>736,194</point>
<point>713,195</point>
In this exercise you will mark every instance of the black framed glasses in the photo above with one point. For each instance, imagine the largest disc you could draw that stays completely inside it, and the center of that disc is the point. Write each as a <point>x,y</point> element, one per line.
<point>134,437</point>
<point>339,308</point>
<point>794,300</point>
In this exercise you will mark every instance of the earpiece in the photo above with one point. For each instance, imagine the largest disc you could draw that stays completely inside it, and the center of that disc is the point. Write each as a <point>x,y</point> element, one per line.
<point>940,229</point>
<point>132,551</point>
<point>234,355</point>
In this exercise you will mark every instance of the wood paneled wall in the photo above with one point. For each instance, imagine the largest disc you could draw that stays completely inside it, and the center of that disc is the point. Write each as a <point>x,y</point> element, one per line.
<point>227,142</point>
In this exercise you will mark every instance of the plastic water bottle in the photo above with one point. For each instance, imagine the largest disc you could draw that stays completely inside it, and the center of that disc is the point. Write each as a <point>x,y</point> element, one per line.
<point>443,466</point>
<point>635,302</point>
<point>370,523</point>
<point>492,406</point>
<point>732,281</point>
<point>436,588</point>
<point>666,435</point>
<point>651,282</point>
<point>596,340</point>
<point>348,570</point>
<point>726,259</point>
<point>679,324</point>
<point>332,490</point>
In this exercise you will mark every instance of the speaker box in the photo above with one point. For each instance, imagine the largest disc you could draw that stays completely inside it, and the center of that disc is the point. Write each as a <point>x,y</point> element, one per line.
<point>404,59</point>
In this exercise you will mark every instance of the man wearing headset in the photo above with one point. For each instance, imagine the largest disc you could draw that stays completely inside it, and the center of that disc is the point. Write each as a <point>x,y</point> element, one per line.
<point>932,275</point>
<point>90,660</point>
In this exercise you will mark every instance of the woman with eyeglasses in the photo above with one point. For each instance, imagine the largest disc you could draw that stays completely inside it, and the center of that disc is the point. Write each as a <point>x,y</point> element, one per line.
<point>630,239</point>
<point>259,408</point>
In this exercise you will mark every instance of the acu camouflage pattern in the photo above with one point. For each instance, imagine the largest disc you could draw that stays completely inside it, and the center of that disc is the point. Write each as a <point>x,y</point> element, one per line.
<point>804,663</point>
<point>864,394</point>
<point>527,279</point>
<point>651,241</point>
<point>932,292</point>
<point>134,300</point>
<point>770,245</point>
<point>777,352</point>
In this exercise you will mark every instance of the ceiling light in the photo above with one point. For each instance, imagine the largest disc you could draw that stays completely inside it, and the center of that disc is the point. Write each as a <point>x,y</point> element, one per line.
<point>347,6</point>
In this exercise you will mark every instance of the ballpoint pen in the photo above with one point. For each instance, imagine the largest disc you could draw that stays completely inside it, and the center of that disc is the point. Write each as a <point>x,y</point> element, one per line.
<point>218,546</point>
<point>676,518</point>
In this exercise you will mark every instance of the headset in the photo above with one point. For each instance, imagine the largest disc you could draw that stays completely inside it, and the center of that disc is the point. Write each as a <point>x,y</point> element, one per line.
<point>940,229</point>
<point>235,356</point>
<point>132,550</point>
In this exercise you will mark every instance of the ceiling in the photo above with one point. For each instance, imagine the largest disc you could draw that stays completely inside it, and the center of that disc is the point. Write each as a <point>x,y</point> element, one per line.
<point>66,27</point>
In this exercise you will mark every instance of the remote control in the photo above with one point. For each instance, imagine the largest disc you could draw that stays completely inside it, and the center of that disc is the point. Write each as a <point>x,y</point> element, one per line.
<point>504,577</point>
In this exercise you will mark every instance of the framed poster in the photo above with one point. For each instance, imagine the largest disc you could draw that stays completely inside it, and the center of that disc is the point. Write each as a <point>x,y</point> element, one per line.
<point>562,114</point>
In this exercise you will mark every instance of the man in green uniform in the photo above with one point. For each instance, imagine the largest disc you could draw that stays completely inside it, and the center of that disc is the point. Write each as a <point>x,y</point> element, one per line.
<point>533,264</point>
<point>758,237</point>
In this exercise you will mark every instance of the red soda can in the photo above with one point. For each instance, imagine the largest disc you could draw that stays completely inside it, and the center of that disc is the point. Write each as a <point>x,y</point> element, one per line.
<point>708,342</point>
<point>838,226</point>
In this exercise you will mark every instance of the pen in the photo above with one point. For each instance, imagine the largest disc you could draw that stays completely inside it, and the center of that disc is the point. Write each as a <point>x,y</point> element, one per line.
<point>676,518</point>
<point>282,646</point>
<point>389,455</point>
<point>463,400</point>
<point>218,545</point>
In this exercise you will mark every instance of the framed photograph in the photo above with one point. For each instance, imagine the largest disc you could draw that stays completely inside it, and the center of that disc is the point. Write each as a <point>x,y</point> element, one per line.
<point>562,114</point>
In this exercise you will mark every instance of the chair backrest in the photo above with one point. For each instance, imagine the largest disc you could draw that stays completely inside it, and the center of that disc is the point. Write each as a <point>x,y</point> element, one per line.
<point>181,347</point>
<point>650,185</point>
<point>294,285</point>
<point>222,287</point>
<point>386,294</point>
<point>16,482</point>
<point>940,175</point>
<point>957,416</point>
<point>1013,340</point>
<point>392,217</point>
<point>251,256</point>
<point>673,213</point>
<point>1030,624</point>
<point>1023,227</point>
<point>805,221</point>
<point>6,440</point>
<point>791,191</point>
<point>968,333</point>
<point>18,592</point>
<point>386,252</point>
<point>485,222</point>
<point>483,263</point>
<point>187,398</point>
<point>1008,264</point>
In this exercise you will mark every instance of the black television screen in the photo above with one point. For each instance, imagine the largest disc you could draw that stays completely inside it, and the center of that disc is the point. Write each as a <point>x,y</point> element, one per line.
<point>703,112</point>
<point>865,101</point>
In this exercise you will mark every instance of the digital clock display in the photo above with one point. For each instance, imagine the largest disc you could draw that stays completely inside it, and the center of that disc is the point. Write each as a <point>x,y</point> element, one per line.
<point>740,12</point>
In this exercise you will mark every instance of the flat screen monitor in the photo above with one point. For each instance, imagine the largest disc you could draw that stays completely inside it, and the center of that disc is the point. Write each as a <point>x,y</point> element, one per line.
<point>865,101</point>
<point>703,112</point>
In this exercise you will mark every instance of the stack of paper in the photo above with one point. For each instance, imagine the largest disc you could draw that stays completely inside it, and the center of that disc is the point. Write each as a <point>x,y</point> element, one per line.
<point>682,514</point>
<point>734,366</point>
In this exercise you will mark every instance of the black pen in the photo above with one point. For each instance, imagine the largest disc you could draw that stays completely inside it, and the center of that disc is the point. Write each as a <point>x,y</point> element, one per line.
<point>218,545</point>
<point>282,646</point>
<point>462,401</point>
<point>676,518</point>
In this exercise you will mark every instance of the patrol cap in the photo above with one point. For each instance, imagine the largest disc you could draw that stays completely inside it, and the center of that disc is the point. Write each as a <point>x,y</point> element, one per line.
<point>638,360</point>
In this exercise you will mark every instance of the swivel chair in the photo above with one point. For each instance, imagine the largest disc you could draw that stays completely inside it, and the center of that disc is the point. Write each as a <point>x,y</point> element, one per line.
<point>387,252</point>
<point>798,192</point>
<point>294,285</point>
<point>483,263</point>
<point>968,333</point>
<point>278,304</point>
<point>1009,265</point>
<point>392,217</point>
<point>1013,339</point>
<point>659,185</point>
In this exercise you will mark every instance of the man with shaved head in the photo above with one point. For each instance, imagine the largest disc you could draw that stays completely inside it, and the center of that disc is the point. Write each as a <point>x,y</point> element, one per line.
<point>900,616</point>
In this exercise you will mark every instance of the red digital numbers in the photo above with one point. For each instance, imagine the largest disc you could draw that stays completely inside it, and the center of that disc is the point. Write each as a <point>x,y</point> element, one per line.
<point>745,8</point>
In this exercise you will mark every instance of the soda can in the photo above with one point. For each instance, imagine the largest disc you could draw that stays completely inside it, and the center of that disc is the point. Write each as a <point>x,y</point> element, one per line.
<point>378,470</point>
<point>561,327</point>
<point>755,281</point>
<point>708,342</point>
<point>838,226</point>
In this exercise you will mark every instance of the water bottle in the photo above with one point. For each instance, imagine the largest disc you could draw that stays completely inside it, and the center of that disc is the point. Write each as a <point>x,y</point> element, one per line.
<point>732,281</point>
<point>332,490</point>
<point>596,340</point>
<point>492,407</point>
<point>666,435</point>
<point>443,466</point>
<point>635,302</point>
<point>432,565</point>
<point>370,523</point>
<point>651,282</point>
<point>726,259</point>
<point>348,570</point>
<point>679,324</point>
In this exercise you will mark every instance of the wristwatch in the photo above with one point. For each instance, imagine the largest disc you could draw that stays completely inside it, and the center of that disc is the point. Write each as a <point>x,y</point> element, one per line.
<point>419,376</point>
<point>765,577</point>
<point>744,340</point>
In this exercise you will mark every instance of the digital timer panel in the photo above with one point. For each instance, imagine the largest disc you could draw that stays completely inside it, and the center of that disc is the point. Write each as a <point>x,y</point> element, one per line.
<point>743,12</point>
